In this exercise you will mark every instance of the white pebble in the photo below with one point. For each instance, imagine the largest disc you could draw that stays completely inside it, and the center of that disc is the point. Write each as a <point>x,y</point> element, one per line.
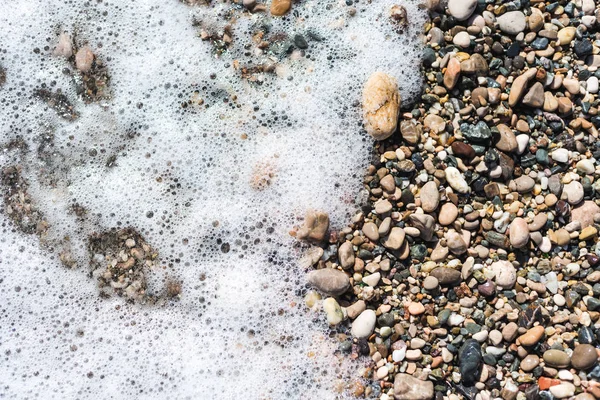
<point>559,299</point>
<point>462,39</point>
<point>496,172</point>
<point>592,84</point>
<point>522,142</point>
<point>560,155</point>
<point>455,319</point>
<point>546,245</point>
<point>372,280</point>
<point>456,180</point>
<point>364,324</point>
<point>565,375</point>
<point>572,269</point>
<point>586,166</point>
<point>398,355</point>
<point>588,20</point>
<point>481,336</point>
<point>382,372</point>
<point>400,155</point>
<point>562,391</point>
<point>333,311</point>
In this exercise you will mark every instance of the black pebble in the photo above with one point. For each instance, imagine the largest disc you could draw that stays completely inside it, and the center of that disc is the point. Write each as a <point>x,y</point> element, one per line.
<point>300,42</point>
<point>583,47</point>
<point>513,50</point>
<point>469,358</point>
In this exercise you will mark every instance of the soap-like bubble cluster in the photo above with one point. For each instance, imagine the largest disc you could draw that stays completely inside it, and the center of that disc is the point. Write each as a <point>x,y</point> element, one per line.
<point>163,150</point>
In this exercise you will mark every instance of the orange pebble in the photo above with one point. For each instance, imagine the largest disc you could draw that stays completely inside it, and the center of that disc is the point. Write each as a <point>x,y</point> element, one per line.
<point>545,383</point>
<point>436,361</point>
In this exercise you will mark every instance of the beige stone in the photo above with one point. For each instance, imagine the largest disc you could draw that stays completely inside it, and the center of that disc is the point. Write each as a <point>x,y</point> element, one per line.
<point>280,7</point>
<point>381,105</point>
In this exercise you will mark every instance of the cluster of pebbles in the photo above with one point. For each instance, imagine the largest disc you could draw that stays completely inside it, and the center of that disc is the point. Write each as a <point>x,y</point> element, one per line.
<point>89,73</point>
<point>18,205</point>
<point>119,260</point>
<point>473,268</point>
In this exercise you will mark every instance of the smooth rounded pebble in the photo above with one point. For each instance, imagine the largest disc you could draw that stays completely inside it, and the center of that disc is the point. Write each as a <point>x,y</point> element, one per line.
<point>364,324</point>
<point>461,9</point>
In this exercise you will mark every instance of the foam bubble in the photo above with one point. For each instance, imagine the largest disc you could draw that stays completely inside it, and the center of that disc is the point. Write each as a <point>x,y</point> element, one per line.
<point>212,152</point>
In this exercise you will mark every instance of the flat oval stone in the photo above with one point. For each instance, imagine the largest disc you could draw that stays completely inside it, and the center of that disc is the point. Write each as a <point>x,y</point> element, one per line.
<point>456,180</point>
<point>523,184</point>
<point>510,331</point>
<point>383,207</point>
<point>430,197</point>
<point>388,184</point>
<point>430,283</point>
<point>556,358</point>
<point>532,336</point>
<point>448,214</point>
<point>446,276</point>
<point>462,39</point>
<point>355,309</point>
<point>371,231</point>
<point>280,7</point>
<point>463,150</point>
<point>416,308</point>
<point>574,192</point>
<point>381,105</point>
<point>538,222</point>
<point>529,362</point>
<point>333,311</point>
<point>566,35</point>
<point>330,281</point>
<point>519,233</point>
<point>562,390</point>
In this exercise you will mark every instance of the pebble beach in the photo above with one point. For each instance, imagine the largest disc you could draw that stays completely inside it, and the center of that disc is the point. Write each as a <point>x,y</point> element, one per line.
<point>472,269</point>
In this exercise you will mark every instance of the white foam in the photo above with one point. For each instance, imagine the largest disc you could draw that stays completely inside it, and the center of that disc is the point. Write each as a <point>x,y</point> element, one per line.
<point>190,169</point>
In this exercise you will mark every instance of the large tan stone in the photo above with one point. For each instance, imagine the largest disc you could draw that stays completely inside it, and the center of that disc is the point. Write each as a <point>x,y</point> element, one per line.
<point>407,387</point>
<point>381,105</point>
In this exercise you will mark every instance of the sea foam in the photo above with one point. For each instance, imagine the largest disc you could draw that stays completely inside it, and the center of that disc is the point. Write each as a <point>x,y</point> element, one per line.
<point>210,164</point>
